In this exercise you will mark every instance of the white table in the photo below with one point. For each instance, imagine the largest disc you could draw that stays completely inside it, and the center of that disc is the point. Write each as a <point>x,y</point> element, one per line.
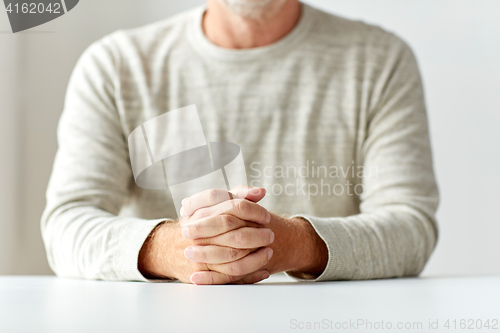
<point>50,304</point>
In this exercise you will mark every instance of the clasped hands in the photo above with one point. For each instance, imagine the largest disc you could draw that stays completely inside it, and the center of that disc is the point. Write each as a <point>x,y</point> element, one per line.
<point>227,237</point>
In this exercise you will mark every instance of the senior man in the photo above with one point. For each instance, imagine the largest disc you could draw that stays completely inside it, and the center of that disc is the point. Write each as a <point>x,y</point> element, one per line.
<point>330,117</point>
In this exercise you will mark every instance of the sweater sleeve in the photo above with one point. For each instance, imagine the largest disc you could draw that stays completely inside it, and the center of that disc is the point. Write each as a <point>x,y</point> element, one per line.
<point>395,232</point>
<point>83,234</point>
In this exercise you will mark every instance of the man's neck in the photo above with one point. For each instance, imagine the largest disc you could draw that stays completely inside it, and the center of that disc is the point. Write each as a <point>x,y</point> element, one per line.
<point>228,30</point>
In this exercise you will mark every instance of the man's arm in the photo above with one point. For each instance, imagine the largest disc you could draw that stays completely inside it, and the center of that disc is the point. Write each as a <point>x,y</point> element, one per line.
<point>396,231</point>
<point>82,233</point>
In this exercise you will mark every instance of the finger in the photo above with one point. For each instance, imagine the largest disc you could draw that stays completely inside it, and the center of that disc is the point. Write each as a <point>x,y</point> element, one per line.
<point>242,238</point>
<point>241,208</point>
<point>212,254</point>
<point>245,265</point>
<point>213,226</point>
<point>211,278</point>
<point>204,199</point>
<point>253,278</point>
<point>214,196</point>
<point>254,194</point>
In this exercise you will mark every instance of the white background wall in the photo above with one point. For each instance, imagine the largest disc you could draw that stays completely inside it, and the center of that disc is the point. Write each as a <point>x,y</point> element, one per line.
<point>457,44</point>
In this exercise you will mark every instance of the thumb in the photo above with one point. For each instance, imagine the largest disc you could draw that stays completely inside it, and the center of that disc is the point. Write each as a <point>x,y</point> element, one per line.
<point>254,194</point>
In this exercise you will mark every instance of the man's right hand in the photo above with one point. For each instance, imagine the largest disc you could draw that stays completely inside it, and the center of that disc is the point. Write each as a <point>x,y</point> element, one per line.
<point>234,254</point>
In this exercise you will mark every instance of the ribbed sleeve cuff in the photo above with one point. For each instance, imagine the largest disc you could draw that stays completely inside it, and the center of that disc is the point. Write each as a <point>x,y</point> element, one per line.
<point>341,264</point>
<point>133,233</point>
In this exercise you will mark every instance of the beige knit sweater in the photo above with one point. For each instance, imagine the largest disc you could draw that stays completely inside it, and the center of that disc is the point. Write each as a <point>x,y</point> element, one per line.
<point>331,120</point>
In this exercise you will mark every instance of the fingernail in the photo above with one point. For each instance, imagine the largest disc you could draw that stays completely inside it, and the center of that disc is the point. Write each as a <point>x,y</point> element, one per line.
<point>268,217</point>
<point>271,237</point>
<point>269,254</point>
<point>195,278</point>
<point>189,252</point>
<point>183,212</point>
<point>182,202</point>
<point>265,275</point>
<point>185,232</point>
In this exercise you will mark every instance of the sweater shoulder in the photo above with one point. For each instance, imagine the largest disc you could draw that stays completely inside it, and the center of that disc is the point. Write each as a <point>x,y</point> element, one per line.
<point>145,41</point>
<point>334,30</point>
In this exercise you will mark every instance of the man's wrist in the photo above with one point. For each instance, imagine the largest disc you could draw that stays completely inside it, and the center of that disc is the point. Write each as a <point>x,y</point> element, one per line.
<point>311,257</point>
<point>152,256</point>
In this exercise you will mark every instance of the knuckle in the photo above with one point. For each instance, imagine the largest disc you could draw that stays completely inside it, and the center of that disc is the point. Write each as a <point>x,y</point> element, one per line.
<point>228,222</point>
<point>223,221</point>
<point>196,215</point>
<point>194,230</point>
<point>212,195</point>
<point>200,213</point>
<point>240,238</point>
<point>240,208</point>
<point>245,207</point>
<point>263,213</point>
<point>233,254</point>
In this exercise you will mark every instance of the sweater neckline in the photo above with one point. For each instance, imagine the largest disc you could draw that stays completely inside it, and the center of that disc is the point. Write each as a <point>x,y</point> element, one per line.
<point>205,47</point>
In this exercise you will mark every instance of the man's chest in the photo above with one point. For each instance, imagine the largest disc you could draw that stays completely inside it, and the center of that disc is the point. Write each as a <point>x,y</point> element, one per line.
<point>290,104</point>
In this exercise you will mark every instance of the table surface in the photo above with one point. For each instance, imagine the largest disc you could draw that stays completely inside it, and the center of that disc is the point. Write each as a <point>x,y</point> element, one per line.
<point>50,304</point>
